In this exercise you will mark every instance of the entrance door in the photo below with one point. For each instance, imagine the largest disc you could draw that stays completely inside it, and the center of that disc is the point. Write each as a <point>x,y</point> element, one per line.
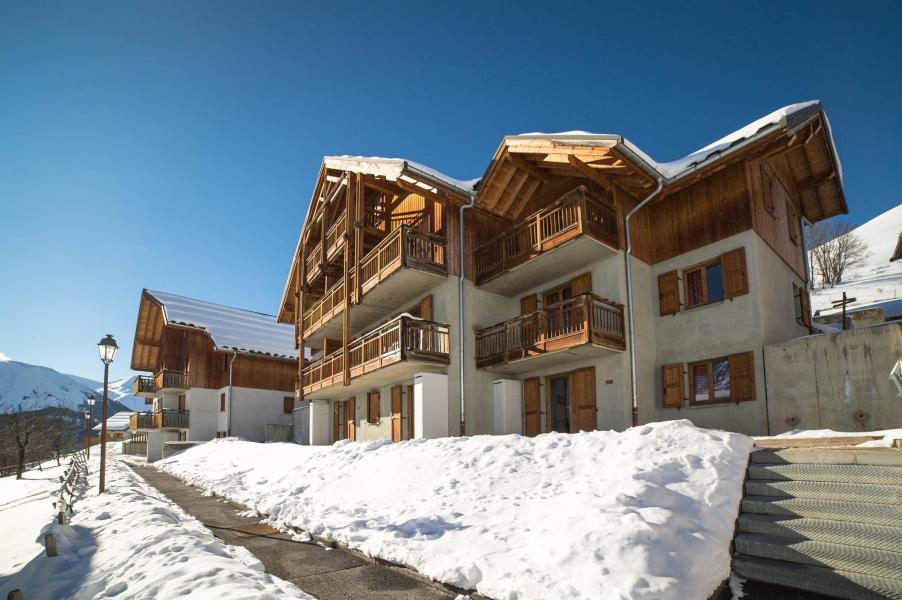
<point>351,419</point>
<point>582,402</point>
<point>557,399</point>
<point>396,413</point>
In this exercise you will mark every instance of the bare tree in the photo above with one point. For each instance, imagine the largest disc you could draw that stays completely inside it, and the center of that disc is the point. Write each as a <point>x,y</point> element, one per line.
<point>835,250</point>
<point>22,425</point>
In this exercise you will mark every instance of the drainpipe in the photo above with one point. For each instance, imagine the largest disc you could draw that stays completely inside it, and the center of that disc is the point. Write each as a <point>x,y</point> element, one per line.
<point>229,418</point>
<point>460,311</point>
<point>629,296</point>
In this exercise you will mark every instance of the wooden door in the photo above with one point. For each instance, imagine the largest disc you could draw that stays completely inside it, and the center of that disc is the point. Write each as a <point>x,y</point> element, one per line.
<point>532,407</point>
<point>582,400</point>
<point>351,419</point>
<point>396,413</point>
<point>336,422</point>
<point>409,412</point>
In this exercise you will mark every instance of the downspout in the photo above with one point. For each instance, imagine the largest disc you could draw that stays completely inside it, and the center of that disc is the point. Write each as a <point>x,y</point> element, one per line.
<point>460,311</point>
<point>629,296</point>
<point>229,423</point>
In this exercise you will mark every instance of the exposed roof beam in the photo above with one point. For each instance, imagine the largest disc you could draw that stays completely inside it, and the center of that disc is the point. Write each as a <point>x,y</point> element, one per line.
<point>589,173</point>
<point>528,167</point>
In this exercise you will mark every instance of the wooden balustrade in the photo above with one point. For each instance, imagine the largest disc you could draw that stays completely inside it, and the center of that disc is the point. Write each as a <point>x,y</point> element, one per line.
<point>583,319</point>
<point>313,264</point>
<point>169,379</point>
<point>335,235</point>
<point>574,214</point>
<point>399,339</point>
<point>144,384</point>
<point>165,418</point>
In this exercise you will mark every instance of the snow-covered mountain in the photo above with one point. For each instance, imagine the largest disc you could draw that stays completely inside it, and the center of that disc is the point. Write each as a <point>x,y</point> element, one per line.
<point>121,391</point>
<point>35,387</point>
<point>878,280</point>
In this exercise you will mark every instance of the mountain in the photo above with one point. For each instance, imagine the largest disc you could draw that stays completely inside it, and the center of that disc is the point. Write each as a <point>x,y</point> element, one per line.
<point>121,391</point>
<point>878,280</point>
<point>34,387</point>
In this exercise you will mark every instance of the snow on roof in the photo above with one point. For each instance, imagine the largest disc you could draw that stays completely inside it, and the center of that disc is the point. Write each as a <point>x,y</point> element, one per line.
<point>392,168</point>
<point>673,169</point>
<point>230,329</point>
<point>118,422</point>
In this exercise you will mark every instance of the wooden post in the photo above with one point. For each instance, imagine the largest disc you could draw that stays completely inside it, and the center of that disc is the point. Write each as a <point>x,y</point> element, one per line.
<point>50,544</point>
<point>358,234</point>
<point>15,595</point>
<point>843,311</point>
<point>346,292</point>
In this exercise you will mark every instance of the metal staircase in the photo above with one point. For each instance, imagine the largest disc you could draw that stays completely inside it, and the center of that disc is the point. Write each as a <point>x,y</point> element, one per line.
<point>824,520</point>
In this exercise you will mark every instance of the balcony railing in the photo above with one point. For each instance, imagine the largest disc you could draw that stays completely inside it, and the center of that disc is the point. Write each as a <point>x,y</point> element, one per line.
<point>403,247</point>
<point>159,419</point>
<point>168,379</point>
<point>144,385</point>
<point>313,263</point>
<point>400,339</point>
<point>572,215</point>
<point>580,320</point>
<point>335,235</point>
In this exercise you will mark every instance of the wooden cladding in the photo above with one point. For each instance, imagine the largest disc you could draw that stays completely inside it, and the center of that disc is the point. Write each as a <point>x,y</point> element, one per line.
<point>711,381</point>
<point>586,318</point>
<point>574,214</point>
<point>402,338</point>
<point>373,401</point>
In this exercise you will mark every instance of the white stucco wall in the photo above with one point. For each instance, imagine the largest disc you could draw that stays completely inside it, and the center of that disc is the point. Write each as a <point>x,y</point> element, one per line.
<point>203,414</point>
<point>251,409</point>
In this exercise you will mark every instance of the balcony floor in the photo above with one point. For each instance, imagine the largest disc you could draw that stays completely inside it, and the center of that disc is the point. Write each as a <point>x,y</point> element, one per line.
<point>563,357</point>
<point>400,372</point>
<point>549,265</point>
<point>397,292</point>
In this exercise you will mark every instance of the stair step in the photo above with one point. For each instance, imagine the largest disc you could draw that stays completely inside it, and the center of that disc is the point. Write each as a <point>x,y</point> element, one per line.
<point>832,510</point>
<point>839,584</point>
<point>819,530</point>
<point>837,473</point>
<point>829,456</point>
<point>852,492</point>
<point>869,561</point>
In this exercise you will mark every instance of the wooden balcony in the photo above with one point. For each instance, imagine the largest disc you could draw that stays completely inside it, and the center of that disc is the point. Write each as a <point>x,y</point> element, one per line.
<point>164,380</point>
<point>393,352</point>
<point>587,325</point>
<point>160,419</point>
<point>576,230</point>
<point>399,270</point>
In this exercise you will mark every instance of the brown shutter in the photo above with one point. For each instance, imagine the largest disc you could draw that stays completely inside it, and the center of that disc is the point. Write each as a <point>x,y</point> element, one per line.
<point>426,308</point>
<point>409,412</point>
<point>529,304</point>
<point>669,293</point>
<point>805,305</point>
<point>532,407</point>
<point>767,191</point>
<point>396,413</point>
<point>735,278</point>
<point>288,404</point>
<point>181,403</point>
<point>336,426</point>
<point>581,284</point>
<point>351,419</point>
<point>372,407</point>
<point>582,400</point>
<point>742,376</point>
<point>672,376</point>
<point>222,402</point>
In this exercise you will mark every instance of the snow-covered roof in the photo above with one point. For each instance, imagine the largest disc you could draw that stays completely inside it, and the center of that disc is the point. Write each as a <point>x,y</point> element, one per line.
<point>118,422</point>
<point>230,329</point>
<point>781,117</point>
<point>393,168</point>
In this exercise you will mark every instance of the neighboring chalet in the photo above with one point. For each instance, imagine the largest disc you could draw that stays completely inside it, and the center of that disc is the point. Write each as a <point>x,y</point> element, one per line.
<point>117,427</point>
<point>215,371</point>
<point>717,271</point>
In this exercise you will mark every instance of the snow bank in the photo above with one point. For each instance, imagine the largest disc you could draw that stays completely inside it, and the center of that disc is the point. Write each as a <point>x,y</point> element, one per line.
<point>133,542</point>
<point>886,436</point>
<point>646,513</point>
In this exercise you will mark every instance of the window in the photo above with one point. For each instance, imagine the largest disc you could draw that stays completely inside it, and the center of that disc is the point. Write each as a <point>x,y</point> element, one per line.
<point>222,402</point>
<point>802,305</point>
<point>795,227</point>
<point>704,284</point>
<point>372,407</point>
<point>710,381</point>
<point>287,405</point>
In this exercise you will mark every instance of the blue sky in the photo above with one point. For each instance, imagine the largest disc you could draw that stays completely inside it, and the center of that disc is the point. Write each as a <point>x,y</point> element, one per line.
<point>174,145</point>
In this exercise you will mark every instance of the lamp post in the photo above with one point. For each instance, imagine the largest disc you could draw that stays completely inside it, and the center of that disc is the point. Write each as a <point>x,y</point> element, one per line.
<point>107,347</point>
<point>88,413</point>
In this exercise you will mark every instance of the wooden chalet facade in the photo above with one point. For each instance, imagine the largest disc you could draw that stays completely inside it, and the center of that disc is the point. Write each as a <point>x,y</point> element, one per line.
<point>213,371</point>
<point>718,270</point>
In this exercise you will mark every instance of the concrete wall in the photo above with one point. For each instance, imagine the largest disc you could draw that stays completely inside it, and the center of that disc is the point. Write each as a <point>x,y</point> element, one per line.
<point>203,414</point>
<point>836,381</point>
<point>252,409</point>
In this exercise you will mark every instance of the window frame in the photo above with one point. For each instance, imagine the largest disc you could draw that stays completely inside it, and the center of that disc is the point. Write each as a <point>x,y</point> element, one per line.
<point>287,403</point>
<point>703,269</point>
<point>709,365</point>
<point>222,402</point>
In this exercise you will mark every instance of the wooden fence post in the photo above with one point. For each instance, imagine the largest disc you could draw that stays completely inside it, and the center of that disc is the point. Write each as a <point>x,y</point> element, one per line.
<point>15,595</point>
<point>50,544</point>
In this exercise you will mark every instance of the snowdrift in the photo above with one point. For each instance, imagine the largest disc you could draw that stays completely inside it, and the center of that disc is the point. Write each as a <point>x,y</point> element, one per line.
<point>646,513</point>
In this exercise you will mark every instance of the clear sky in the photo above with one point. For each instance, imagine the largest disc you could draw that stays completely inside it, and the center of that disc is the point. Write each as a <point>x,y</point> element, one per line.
<point>174,145</point>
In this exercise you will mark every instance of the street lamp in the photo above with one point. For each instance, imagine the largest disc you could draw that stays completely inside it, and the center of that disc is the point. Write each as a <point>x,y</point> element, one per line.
<point>107,347</point>
<point>90,402</point>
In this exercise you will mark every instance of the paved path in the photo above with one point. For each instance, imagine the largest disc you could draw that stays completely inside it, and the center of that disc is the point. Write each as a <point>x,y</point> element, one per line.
<point>328,574</point>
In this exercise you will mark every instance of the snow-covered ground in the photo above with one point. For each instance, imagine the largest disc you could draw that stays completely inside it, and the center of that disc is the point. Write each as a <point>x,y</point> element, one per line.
<point>886,436</point>
<point>645,513</point>
<point>132,542</point>
<point>878,280</point>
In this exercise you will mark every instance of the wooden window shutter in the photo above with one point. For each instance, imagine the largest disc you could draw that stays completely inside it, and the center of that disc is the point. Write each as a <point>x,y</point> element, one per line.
<point>767,191</point>
<point>351,419</point>
<point>669,293</point>
<point>532,407</point>
<point>372,407</point>
<point>742,376</point>
<point>582,400</point>
<point>672,376</point>
<point>581,284</point>
<point>396,413</point>
<point>735,276</point>
<point>426,308</point>
<point>529,304</point>
<point>805,302</point>
<point>222,402</point>
<point>288,404</point>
